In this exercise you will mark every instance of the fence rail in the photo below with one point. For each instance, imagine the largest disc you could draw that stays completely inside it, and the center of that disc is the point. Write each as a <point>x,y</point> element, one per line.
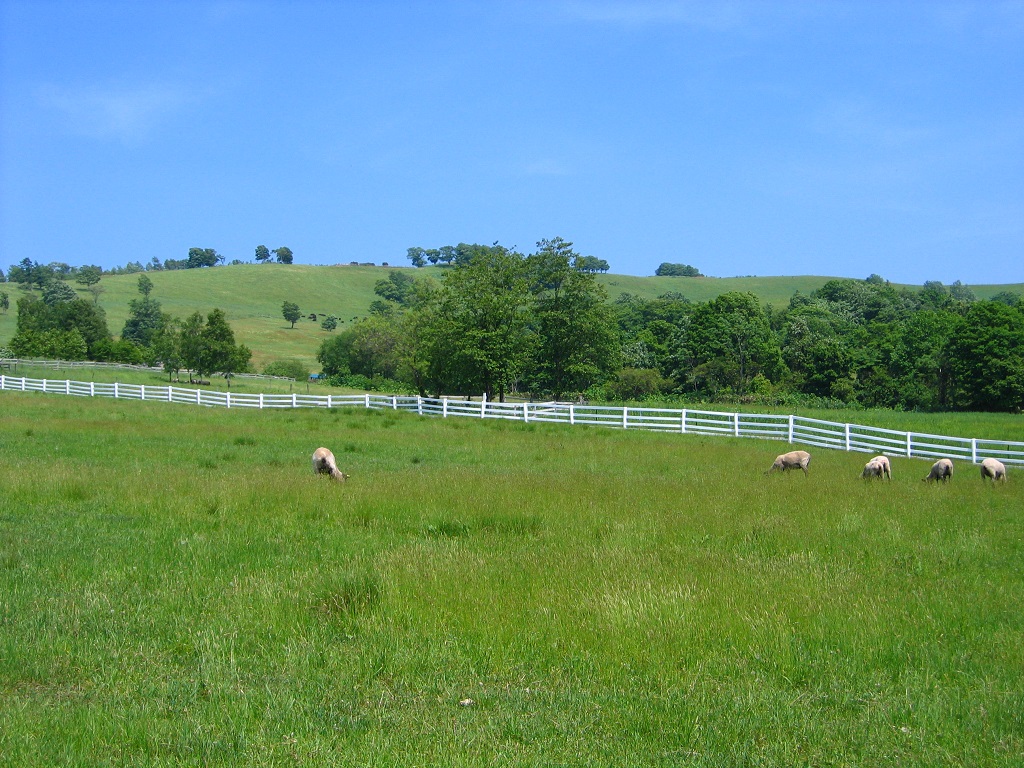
<point>12,363</point>
<point>791,429</point>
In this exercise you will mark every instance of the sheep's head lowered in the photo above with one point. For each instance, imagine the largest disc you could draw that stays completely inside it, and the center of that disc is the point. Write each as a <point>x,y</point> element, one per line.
<point>324,464</point>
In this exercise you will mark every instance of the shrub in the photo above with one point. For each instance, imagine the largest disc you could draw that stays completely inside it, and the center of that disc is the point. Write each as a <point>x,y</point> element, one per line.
<point>289,369</point>
<point>636,384</point>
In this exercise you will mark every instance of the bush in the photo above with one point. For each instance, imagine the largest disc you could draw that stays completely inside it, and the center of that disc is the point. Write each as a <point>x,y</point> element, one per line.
<point>289,369</point>
<point>636,384</point>
<point>374,384</point>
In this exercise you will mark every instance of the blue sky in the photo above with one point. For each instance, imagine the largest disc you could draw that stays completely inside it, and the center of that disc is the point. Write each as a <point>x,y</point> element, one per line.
<point>744,138</point>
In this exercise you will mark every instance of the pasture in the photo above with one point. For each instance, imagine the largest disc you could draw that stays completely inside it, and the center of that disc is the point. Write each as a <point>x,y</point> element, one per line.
<point>178,588</point>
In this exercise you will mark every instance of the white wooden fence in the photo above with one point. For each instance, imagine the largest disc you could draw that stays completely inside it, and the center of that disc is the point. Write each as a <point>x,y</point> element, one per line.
<point>12,363</point>
<point>792,429</point>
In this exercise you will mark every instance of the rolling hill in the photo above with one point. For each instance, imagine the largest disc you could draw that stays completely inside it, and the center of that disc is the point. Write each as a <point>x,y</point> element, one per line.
<point>252,294</point>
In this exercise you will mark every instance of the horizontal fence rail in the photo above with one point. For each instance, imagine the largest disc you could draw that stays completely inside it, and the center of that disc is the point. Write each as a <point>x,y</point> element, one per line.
<point>790,429</point>
<point>12,363</point>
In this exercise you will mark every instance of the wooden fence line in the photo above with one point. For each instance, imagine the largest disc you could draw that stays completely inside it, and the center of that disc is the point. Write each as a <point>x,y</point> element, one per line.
<point>791,429</point>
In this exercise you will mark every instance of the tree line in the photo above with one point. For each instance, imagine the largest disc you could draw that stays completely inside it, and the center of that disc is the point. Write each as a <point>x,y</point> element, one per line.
<point>539,325</point>
<point>31,273</point>
<point>60,325</point>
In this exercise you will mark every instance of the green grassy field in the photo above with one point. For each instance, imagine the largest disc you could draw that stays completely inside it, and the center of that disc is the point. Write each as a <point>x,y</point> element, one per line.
<point>177,588</point>
<point>252,295</point>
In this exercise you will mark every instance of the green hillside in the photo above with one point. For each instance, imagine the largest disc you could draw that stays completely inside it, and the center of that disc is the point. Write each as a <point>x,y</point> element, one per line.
<point>252,294</point>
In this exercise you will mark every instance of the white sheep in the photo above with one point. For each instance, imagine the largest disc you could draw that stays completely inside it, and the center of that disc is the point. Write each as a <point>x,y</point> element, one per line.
<point>941,470</point>
<point>791,460</point>
<point>324,464</point>
<point>994,469</point>
<point>878,467</point>
<point>873,469</point>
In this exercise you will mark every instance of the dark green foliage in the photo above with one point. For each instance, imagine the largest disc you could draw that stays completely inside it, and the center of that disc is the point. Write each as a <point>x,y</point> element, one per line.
<point>725,344</point>
<point>637,384</point>
<point>36,316</point>
<point>398,287</point>
<point>986,359</point>
<point>145,321</point>
<point>202,257</point>
<point>577,344</point>
<point>665,269</point>
<point>284,255</point>
<point>291,312</point>
<point>292,369</point>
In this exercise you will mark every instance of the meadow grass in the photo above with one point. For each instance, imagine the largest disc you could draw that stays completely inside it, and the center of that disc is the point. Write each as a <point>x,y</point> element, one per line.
<point>177,588</point>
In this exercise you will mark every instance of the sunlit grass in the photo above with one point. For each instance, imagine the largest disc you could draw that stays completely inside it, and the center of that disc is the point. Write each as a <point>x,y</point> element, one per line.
<point>178,588</point>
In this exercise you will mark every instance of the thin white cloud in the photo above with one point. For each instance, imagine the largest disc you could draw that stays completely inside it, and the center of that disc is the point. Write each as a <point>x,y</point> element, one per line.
<point>127,114</point>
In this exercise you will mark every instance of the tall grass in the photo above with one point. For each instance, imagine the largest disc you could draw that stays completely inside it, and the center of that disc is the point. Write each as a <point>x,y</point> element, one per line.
<point>177,588</point>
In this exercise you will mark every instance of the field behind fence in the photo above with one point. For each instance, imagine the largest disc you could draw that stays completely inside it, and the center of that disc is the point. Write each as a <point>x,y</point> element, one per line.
<point>789,428</point>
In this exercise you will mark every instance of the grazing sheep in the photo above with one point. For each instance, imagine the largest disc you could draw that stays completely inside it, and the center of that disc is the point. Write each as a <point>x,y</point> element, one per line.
<point>791,460</point>
<point>873,469</point>
<point>993,468</point>
<point>884,468</point>
<point>324,464</point>
<point>941,470</point>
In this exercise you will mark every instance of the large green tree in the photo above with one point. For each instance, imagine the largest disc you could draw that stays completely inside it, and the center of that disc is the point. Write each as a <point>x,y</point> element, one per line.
<point>479,340</point>
<point>144,322</point>
<point>986,359</point>
<point>291,312</point>
<point>577,343</point>
<point>725,344</point>
<point>220,352</point>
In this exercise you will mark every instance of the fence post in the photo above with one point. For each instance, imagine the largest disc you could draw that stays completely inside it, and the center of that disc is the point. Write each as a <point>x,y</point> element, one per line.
<point>910,452</point>
<point>22,383</point>
<point>444,407</point>
<point>142,389</point>
<point>92,389</point>
<point>227,400</point>
<point>367,401</point>
<point>974,450</point>
<point>295,401</point>
<point>483,405</point>
<point>261,400</point>
<point>791,419</point>
<point>682,422</point>
<point>625,417</point>
<point>169,393</point>
<point>572,413</point>
<point>419,404</point>
<point>115,390</point>
<point>67,386</point>
<point>847,437</point>
<point>394,402</point>
<point>526,413</point>
<point>199,397</point>
<point>736,425</point>
<point>3,383</point>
